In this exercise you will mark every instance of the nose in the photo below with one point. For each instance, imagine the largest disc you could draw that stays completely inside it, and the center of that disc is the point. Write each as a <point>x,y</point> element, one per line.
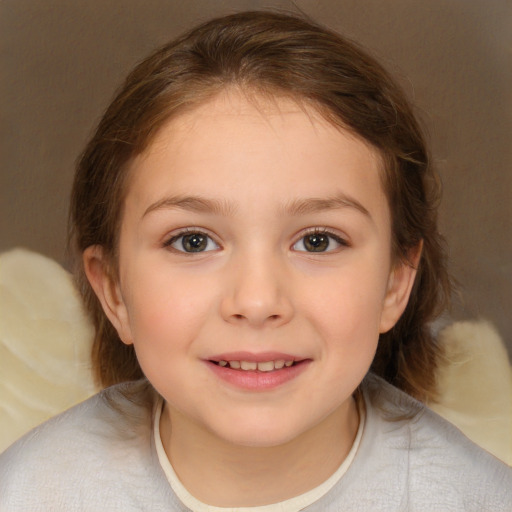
<point>257,293</point>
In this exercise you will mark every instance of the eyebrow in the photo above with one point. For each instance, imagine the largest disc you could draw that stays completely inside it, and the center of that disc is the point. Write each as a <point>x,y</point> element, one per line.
<point>192,203</point>
<point>296,207</point>
<point>314,205</point>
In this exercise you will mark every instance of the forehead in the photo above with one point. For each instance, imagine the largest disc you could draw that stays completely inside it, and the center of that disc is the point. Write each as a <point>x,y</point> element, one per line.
<point>256,145</point>
<point>233,104</point>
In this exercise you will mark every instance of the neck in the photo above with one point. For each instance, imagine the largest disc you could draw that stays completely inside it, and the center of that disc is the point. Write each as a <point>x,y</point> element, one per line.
<point>223,474</point>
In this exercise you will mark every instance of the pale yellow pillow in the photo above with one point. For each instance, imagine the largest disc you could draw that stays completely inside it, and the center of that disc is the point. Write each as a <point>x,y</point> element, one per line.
<point>45,341</point>
<point>476,386</point>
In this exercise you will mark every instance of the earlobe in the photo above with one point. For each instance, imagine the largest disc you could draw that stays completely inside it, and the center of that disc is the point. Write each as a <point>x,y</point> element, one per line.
<point>106,288</point>
<point>400,283</point>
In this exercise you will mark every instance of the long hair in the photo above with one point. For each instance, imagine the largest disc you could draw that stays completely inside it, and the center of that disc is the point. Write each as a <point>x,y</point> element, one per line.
<point>272,55</point>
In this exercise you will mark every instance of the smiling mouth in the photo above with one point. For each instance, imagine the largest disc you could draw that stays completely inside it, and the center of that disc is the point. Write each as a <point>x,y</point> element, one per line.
<point>251,372</point>
<point>263,366</point>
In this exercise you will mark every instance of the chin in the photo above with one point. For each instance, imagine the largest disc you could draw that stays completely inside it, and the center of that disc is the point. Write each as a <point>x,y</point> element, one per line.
<point>258,433</point>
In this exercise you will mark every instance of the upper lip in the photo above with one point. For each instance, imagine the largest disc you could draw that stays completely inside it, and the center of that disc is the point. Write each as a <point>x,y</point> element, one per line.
<point>259,357</point>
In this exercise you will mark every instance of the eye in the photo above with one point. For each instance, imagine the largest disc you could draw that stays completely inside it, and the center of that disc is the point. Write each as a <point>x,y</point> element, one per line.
<point>319,241</point>
<point>192,241</point>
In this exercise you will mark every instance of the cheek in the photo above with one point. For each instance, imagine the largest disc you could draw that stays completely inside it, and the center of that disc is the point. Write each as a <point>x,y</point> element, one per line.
<point>349,301</point>
<point>166,310</point>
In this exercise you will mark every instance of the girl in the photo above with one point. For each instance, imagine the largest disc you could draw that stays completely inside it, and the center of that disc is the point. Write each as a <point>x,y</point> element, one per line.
<point>256,221</point>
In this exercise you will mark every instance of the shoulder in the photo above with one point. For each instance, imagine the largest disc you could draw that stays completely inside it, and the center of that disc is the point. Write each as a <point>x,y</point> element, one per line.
<point>105,416</point>
<point>439,464</point>
<point>84,449</point>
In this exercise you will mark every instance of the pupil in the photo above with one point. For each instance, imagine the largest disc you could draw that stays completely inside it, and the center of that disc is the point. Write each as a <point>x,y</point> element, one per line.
<point>316,243</point>
<point>194,242</point>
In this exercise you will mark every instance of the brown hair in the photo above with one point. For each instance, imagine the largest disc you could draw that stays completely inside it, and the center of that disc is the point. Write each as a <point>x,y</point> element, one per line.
<point>271,54</point>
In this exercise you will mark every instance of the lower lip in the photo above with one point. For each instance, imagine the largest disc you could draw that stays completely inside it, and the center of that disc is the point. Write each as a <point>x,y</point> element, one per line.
<point>253,380</point>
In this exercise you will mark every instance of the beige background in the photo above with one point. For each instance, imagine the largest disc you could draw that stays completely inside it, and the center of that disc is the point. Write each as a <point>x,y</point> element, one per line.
<point>62,59</point>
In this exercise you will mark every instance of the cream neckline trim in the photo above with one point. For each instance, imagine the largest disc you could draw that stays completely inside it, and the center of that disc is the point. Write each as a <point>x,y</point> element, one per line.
<point>290,505</point>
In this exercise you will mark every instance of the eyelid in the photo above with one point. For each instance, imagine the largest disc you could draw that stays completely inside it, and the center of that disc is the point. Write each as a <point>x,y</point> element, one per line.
<point>333,234</point>
<point>177,234</point>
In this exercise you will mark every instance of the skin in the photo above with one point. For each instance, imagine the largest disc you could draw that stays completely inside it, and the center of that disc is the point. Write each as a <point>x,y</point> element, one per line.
<point>267,175</point>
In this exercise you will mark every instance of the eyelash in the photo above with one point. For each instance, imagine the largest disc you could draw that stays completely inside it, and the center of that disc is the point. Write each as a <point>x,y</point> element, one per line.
<point>319,232</point>
<point>322,232</point>
<point>189,231</point>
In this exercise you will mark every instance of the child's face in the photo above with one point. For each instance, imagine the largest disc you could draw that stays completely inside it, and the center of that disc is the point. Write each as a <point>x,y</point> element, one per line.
<point>256,234</point>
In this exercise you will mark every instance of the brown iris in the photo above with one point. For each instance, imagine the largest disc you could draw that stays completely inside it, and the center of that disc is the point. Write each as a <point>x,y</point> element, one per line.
<point>316,242</point>
<point>195,242</point>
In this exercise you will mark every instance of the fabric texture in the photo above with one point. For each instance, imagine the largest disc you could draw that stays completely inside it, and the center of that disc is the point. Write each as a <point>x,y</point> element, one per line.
<point>475,385</point>
<point>45,343</point>
<point>101,455</point>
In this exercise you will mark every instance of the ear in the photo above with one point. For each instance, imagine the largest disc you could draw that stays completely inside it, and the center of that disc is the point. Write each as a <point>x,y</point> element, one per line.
<point>106,287</point>
<point>400,283</point>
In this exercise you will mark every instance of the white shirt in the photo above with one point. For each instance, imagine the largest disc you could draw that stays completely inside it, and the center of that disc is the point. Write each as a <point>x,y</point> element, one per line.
<point>102,455</point>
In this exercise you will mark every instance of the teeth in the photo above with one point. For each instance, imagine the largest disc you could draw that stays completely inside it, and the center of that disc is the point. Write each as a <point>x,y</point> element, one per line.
<point>265,366</point>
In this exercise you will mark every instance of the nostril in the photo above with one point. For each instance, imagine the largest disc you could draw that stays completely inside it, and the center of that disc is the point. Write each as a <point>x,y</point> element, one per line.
<point>238,316</point>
